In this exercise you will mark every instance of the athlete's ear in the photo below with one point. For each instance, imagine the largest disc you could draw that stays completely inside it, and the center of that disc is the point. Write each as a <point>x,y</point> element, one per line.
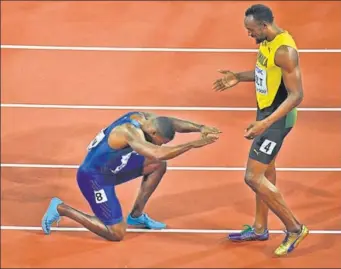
<point>266,24</point>
<point>262,23</point>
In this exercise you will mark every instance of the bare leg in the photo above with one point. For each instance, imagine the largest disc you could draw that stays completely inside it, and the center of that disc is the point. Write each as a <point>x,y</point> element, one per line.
<point>153,173</point>
<point>270,195</point>
<point>115,232</point>
<point>262,210</point>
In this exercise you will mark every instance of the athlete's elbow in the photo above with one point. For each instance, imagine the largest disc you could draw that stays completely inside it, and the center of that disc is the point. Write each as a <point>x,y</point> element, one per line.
<point>297,97</point>
<point>157,155</point>
<point>162,154</point>
<point>161,157</point>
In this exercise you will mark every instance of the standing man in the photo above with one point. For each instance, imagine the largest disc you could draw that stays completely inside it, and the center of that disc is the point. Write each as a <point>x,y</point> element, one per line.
<point>278,84</point>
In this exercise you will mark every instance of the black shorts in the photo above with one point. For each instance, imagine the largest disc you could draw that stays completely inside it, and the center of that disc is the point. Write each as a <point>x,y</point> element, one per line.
<point>266,146</point>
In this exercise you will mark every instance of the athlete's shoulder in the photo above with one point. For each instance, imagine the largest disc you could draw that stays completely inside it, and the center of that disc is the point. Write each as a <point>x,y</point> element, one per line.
<point>125,133</point>
<point>286,57</point>
<point>287,39</point>
<point>131,132</point>
<point>149,115</point>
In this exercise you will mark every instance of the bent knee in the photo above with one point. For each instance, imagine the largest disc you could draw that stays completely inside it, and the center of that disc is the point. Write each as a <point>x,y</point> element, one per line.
<point>155,165</point>
<point>116,232</point>
<point>162,165</point>
<point>252,180</point>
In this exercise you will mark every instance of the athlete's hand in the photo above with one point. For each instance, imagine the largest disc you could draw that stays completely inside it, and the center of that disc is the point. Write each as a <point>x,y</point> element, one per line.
<point>204,141</point>
<point>255,129</point>
<point>206,130</point>
<point>229,80</point>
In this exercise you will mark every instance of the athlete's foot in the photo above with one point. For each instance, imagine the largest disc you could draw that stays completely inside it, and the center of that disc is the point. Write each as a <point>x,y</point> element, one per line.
<point>249,234</point>
<point>291,241</point>
<point>51,215</point>
<point>144,221</point>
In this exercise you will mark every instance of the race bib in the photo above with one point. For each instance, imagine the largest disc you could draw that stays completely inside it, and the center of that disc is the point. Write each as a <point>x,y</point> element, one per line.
<point>260,81</point>
<point>99,137</point>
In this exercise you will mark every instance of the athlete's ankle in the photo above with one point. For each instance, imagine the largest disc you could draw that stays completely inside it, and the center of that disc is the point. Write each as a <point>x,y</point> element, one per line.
<point>297,229</point>
<point>135,214</point>
<point>61,208</point>
<point>259,229</point>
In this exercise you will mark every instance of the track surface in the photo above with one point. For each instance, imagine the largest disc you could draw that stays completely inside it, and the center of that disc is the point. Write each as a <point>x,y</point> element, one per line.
<point>205,200</point>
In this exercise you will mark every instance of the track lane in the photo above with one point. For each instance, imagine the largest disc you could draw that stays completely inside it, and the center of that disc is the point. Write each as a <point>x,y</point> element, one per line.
<point>313,197</point>
<point>187,24</point>
<point>184,200</point>
<point>61,136</point>
<point>153,79</point>
<point>162,251</point>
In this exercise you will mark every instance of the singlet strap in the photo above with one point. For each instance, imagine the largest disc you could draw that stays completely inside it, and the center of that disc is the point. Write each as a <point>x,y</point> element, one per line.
<point>135,123</point>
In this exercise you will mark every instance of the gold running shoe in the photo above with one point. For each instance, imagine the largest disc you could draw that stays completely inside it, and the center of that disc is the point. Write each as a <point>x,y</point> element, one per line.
<point>291,241</point>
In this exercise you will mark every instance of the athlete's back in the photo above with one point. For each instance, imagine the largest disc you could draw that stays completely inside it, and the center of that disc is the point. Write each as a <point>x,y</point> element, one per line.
<point>101,158</point>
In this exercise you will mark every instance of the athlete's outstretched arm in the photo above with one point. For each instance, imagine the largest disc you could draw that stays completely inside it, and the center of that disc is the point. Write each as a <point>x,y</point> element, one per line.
<point>288,60</point>
<point>231,79</point>
<point>136,140</point>
<point>247,76</point>
<point>185,126</point>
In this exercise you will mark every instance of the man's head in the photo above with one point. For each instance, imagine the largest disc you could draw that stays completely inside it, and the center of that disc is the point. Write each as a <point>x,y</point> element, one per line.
<point>258,21</point>
<point>159,130</point>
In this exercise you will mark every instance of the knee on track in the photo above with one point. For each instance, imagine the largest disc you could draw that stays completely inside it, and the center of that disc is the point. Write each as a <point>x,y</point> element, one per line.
<point>116,233</point>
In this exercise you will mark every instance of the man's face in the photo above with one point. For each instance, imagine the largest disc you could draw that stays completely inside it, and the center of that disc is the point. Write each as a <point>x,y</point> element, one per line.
<point>154,137</point>
<point>158,139</point>
<point>256,29</point>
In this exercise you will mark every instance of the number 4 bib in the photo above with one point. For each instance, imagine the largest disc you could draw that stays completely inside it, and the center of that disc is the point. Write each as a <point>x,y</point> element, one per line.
<point>260,81</point>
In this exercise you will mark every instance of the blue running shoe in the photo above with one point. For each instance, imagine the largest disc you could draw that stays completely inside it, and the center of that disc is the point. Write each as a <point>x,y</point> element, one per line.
<point>51,215</point>
<point>144,221</point>
<point>249,234</point>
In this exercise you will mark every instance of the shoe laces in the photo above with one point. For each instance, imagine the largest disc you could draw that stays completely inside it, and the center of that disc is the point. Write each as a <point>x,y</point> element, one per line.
<point>288,236</point>
<point>148,218</point>
<point>55,218</point>
<point>247,229</point>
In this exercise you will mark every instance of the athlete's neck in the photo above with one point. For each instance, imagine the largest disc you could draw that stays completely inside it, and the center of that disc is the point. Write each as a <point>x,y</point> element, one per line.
<point>144,123</point>
<point>273,32</point>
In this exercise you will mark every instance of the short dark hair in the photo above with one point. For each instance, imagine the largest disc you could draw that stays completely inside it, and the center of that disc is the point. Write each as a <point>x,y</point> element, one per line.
<point>164,127</point>
<point>260,13</point>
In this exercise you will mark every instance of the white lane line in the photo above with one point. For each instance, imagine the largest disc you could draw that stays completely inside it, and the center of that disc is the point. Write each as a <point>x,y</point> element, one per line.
<point>171,108</point>
<point>151,49</point>
<point>178,168</point>
<point>196,231</point>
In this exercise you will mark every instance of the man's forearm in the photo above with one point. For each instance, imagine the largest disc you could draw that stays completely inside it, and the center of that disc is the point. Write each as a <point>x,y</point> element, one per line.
<point>292,101</point>
<point>182,126</point>
<point>167,153</point>
<point>246,76</point>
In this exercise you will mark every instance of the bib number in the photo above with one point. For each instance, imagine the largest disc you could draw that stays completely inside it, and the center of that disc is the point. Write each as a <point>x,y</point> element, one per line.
<point>267,147</point>
<point>100,197</point>
<point>99,137</point>
<point>260,81</point>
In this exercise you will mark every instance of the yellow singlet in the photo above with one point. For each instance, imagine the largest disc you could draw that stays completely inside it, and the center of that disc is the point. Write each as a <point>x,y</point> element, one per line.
<point>268,76</point>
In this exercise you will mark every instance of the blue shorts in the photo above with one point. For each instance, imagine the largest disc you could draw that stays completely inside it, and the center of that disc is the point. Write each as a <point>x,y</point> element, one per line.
<point>99,189</point>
